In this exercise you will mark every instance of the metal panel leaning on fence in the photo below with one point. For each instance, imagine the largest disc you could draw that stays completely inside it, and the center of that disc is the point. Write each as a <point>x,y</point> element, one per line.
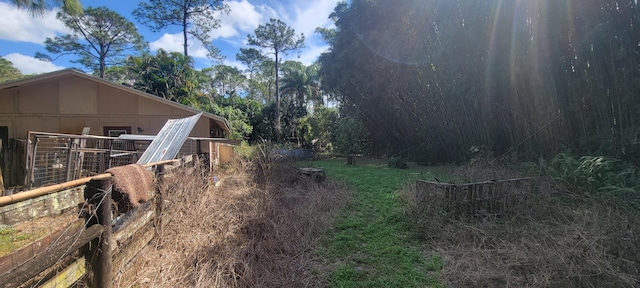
<point>93,243</point>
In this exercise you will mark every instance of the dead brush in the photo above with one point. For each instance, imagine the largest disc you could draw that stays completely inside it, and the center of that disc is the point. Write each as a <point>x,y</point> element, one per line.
<point>548,240</point>
<point>242,233</point>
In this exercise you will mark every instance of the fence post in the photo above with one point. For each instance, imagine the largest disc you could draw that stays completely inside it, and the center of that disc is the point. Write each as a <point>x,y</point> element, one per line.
<point>98,191</point>
<point>159,200</point>
<point>30,179</point>
<point>69,160</point>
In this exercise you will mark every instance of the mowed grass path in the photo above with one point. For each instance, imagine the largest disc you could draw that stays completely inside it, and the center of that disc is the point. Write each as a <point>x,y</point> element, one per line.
<point>371,244</point>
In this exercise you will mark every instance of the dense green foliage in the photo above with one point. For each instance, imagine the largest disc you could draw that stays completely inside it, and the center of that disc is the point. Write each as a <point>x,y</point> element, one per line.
<point>597,176</point>
<point>99,37</point>
<point>525,77</point>
<point>37,7</point>
<point>372,244</point>
<point>7,71</point>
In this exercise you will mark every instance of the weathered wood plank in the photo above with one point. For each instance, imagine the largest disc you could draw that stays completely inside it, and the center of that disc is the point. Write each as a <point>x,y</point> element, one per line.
<point>43,261</point>
<point>493,197</point>
<point>49,204</point>
<point>131,228</point>
<point>67,277</point>
<point>129,250</point>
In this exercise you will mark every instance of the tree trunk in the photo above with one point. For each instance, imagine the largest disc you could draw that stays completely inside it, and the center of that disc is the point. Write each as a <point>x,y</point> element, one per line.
<point>185,17</point>
<point>278,127</point>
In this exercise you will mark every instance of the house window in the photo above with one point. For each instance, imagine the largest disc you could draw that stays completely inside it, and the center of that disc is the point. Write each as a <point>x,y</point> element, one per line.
<point>115,131</point>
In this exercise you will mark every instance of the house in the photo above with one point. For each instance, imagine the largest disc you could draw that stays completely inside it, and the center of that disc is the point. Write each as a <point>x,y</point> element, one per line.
<point>67,101</point>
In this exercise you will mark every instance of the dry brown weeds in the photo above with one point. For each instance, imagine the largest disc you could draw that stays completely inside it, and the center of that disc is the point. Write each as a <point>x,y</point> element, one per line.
<point>552,240</point>
<point>239,234</point>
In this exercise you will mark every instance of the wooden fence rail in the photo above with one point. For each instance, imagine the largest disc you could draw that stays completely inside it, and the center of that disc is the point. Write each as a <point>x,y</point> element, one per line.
<point>93,244</point>
<point>493,197</point>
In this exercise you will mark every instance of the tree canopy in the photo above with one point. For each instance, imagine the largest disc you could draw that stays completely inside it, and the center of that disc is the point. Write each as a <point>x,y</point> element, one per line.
<point>522,78</point>
<point>37,7</point>
<point>276,37</point>
<point>7,71</point>
<point>99,37</point>
<point>194,17</point>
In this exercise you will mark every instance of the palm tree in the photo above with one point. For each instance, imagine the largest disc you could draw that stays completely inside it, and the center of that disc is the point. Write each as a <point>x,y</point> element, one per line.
<point>167,75</point>
<point>300,82</point>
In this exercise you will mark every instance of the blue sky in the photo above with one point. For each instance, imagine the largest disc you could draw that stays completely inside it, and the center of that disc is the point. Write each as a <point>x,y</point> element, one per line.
<point>22,35</point>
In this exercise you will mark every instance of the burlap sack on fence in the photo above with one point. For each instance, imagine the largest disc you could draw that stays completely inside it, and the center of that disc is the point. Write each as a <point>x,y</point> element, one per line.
<point>131,186</point>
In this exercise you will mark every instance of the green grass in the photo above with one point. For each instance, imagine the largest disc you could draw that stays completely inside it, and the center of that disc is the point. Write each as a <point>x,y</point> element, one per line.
<point>372,244</point>
<point>10,239</point>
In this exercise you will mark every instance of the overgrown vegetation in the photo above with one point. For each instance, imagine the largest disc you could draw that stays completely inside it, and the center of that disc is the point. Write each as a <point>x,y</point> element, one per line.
<point>601,177</point>
<point>398,162</point>
<point>557,236</point>
<point>251,230</point>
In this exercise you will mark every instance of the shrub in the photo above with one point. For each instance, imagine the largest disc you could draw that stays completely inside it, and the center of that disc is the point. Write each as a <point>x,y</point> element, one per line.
<point>398,162</point>
<point>599,176</point>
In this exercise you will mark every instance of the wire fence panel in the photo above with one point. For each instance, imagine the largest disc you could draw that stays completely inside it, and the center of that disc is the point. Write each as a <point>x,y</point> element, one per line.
<point>57,158</point>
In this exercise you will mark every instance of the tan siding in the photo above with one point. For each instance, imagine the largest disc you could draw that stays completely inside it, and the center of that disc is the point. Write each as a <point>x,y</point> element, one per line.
<point>150,107</point>
<point>78,96</point>
<point>41,98</point>
<point>70,102</point>
<point>117,121</point>
<point>93,124</point>
<point>113,101</point>
<point>72,125</point>
<point>201,129</point>
<point>24,124</point>
<point>152,125</point>
<point>182,112</point>
<point>6,101</point>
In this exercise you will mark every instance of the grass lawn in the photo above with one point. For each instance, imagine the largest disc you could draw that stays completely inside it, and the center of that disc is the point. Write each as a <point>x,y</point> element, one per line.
<point>372,244</point>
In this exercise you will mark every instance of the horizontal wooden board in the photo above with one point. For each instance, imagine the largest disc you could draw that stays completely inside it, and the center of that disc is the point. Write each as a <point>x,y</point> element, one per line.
<point>126,252</point>
<point>67,277</point>
<point>49,204</point>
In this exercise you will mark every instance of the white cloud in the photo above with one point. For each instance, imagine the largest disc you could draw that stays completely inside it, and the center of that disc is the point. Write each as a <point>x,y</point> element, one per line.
<point>307,18</point>
<point>243,19</point>
<point>29,65</point>
<point>173,43</point>
<point>310,54</point>
<point>304,17</point>
<point>20,26</point>
<point>234,63</point>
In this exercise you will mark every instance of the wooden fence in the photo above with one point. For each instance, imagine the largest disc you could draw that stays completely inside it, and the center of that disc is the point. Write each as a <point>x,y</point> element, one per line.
<point>494,197</point>
<point>92,249</point>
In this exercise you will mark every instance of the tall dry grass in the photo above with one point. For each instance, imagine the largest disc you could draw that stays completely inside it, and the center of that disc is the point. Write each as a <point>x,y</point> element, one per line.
<point>252,230</point>
<point>551,239</point>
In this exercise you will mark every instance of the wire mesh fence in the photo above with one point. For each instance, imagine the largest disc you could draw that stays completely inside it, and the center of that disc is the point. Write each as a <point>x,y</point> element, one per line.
<point>56,158</point>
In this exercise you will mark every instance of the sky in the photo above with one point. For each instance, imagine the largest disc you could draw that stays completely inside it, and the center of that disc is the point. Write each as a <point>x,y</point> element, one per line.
<point>22,35</point>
